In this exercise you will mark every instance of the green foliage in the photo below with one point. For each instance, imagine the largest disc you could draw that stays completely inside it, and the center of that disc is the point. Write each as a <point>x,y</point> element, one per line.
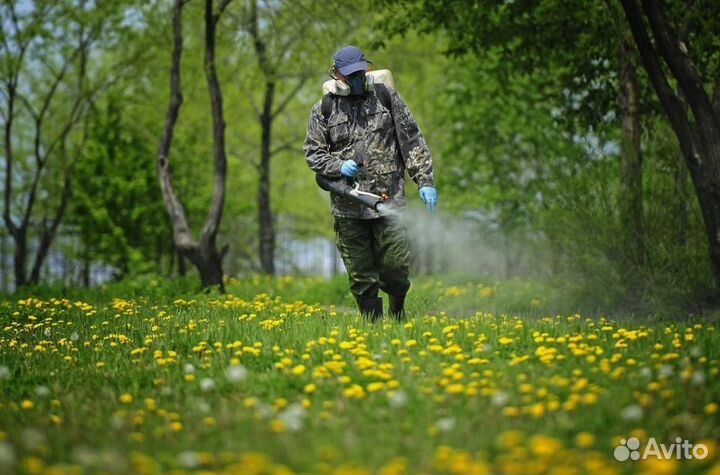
<point>118,211</point>
<point>521,115</point>
<point>533,102</point>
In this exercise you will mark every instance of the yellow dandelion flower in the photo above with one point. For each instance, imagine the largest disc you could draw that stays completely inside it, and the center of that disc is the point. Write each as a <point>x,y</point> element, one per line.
<point>375,387</point>
<point>276,425</point>
<point>544,446</point>
<point>509,439</point>
<point>209,421</point>
<point>584,440</point>
<point>126,398</point>
<point>456,388</point>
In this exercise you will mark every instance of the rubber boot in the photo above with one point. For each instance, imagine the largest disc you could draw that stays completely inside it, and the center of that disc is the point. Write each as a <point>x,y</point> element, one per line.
<point>371,309</point>
<point>397,307</point>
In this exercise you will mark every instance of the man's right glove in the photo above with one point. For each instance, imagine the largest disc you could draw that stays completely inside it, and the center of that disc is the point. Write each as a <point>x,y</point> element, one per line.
<point>429,196</point>
<point>349,169</point>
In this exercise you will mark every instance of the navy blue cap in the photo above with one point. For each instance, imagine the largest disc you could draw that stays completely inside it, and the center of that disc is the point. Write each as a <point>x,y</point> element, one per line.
<point>350,59</point>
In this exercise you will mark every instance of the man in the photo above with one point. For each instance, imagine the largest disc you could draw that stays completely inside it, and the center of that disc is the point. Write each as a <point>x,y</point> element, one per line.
<point>370,138</point>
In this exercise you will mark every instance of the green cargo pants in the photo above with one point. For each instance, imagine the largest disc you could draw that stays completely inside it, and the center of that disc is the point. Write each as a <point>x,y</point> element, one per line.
<point>376,254</point>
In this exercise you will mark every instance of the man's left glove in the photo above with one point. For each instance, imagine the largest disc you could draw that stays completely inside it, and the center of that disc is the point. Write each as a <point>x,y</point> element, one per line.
<point>429,196</point>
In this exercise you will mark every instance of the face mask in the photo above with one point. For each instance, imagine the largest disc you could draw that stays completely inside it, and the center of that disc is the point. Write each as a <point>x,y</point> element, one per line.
<point>356,81</point>
<point>363,83</point>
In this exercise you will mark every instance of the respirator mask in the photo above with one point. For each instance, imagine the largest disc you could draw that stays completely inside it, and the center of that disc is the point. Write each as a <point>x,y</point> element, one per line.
<point>356,84</point>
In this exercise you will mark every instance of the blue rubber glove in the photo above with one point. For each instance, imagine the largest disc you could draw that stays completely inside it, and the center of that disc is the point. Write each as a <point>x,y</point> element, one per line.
<point>349,168</point>
<point>429,196</point>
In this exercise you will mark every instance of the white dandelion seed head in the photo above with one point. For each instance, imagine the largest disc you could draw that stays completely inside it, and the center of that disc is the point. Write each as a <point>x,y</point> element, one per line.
<point>207,384</point>
<point>665,371</point>
<point>4,372</point>
<point>397,399</point>
<point>189,368</point>
<point>698,378</point>
<point>42,391</point>
<point>236,373</point>
<point>446,424</point>
<point>500,398</point>
<point>117,422</point>
<point>189,459</point>
<point>293,416</point>
<point>632,412</point>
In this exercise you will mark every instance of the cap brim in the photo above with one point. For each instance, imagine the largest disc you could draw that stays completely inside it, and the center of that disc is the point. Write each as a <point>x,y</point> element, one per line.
<point>355,67</point>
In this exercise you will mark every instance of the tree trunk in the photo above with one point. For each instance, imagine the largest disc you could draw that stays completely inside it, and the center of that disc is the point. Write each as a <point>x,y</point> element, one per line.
<point>3,264</point>
<point>699,139</point>
<point>86,266</point>
<point>631,186</point>
<point>182,265</point>
<point>209,263</point>
<point>20,257</point>
<point>681,204</point>
<point>203,254</point>
<point>267,233</point>
<point>269,65</point>
<point>208,247</point>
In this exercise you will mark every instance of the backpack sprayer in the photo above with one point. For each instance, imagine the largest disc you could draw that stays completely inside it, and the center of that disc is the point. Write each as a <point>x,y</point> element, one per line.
<point>344,187</point>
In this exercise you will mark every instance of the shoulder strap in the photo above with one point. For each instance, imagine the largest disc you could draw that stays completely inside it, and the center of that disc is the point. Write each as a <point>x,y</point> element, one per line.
<point>380,89</point>
<point>384,95</point>
<point>326,106</point>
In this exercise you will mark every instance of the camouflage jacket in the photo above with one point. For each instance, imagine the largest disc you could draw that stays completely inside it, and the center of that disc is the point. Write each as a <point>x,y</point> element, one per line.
<point>362,129</point>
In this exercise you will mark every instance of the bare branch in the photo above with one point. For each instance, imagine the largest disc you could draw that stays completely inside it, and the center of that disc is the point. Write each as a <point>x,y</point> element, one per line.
<point>288,145</point>
<point>300,30</point>
<point>258,43</point>
<point>28,105</point>
<point>221,9</point>
<point>76,114</point>
<point>254,105</point>
<point>289,97</point>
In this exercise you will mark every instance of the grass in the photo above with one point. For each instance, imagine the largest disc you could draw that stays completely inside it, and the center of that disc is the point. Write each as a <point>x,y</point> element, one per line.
<point>281,376</point>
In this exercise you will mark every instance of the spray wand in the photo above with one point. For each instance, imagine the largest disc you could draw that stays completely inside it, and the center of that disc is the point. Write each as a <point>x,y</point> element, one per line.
<point>349,189</point>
